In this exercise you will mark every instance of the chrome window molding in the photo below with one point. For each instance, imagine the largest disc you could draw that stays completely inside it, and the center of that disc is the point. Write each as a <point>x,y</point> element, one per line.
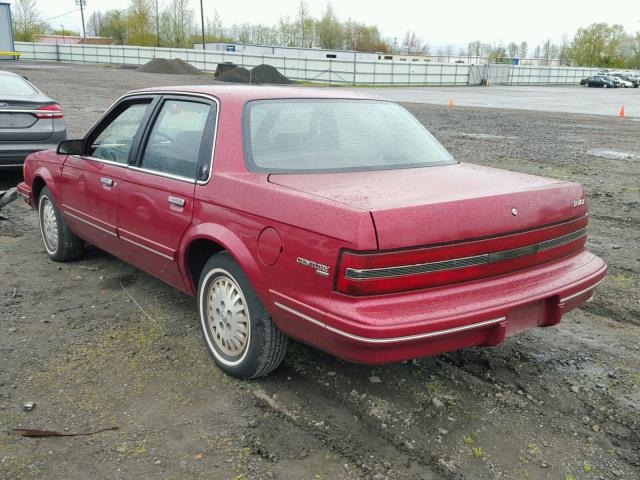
<point>408,338</point>
<point>133,95</point>
<point>456,263</point>
<point>162,174</point>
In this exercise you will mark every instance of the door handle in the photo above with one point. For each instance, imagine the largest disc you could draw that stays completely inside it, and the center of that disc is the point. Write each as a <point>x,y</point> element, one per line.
<point>178,202</point>
<point>106,181</point>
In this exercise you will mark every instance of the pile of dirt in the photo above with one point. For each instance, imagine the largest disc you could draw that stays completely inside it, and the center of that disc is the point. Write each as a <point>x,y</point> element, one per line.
<point>237,75</point>
<point>223,68</point>
<point>268,74</point>
<point>176,66</point>
<point>260,74</point>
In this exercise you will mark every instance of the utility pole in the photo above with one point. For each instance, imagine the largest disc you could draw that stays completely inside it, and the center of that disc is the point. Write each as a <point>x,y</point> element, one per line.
<point>82,3</point>
<point>202,23</point>
<point>62,26</point>
<point>157,25</point>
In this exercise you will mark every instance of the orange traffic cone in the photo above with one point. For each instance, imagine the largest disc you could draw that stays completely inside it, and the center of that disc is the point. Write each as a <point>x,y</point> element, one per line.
<point>621,112</point>
<point>451,103</point>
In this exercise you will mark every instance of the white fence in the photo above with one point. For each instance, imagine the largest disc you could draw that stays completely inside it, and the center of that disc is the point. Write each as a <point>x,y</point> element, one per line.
<point>355,72</point>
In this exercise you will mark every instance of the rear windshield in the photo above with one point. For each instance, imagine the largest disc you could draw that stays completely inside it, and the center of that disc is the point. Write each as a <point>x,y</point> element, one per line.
<point>329,135</point>
<point>10,85</point>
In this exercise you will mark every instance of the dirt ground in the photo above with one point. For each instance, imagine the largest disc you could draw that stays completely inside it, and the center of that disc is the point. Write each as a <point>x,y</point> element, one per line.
<point>98,344</point>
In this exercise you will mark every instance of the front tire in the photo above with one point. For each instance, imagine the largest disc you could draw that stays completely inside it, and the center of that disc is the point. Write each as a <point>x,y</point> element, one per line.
<point>239,333</point>
<point>60,243</point>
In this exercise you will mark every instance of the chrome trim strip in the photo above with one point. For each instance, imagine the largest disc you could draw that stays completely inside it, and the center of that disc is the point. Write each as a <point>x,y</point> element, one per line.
<point>387,272</point>
<point>90,223</point>
<point>162,174</point>
<point>11,165</point>
<point>407,338</point>
<point>581,292</point>
<point>100,160</point>
<point>144,247</point>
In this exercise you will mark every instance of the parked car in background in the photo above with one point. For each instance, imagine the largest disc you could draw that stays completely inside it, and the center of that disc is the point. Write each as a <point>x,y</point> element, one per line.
<point>622,82</point>
<point>29,120</point>
<point>330,217</point>
<point>604,82</point>
<point>634,81</point>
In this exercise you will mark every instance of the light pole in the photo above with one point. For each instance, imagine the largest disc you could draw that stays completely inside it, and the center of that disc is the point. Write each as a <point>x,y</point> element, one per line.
<point>202,23</point>
<point>157,24</point>
<point>82,3</point>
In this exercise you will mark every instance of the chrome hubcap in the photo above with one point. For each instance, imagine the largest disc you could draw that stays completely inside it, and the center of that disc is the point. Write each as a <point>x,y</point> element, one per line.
<point>228,316</point>
<point>48,225</point>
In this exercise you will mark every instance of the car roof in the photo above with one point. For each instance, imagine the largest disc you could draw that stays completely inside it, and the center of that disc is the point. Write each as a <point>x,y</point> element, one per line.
<point>7,72</point>
<point>245,93</point>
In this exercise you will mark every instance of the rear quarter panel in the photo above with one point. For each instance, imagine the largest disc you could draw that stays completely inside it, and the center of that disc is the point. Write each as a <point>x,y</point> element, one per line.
<point>235,209</point>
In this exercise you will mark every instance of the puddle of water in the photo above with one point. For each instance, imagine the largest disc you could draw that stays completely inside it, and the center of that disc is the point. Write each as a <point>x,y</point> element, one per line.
<point>613,154</point>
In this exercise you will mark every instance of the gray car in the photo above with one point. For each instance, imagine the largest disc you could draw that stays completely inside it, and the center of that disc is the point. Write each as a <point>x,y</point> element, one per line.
<point>29,120</point>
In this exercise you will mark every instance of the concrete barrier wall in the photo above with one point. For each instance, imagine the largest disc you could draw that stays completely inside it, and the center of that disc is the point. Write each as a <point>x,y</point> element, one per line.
<point>311,70</point>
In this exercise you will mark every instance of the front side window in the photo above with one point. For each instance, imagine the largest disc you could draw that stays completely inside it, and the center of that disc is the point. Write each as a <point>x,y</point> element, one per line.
<point>114,142</point>
<point>176,137</point>
<point>327,135</point>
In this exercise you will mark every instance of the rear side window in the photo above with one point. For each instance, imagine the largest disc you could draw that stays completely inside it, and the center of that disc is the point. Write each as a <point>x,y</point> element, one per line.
<point>336,135</point>
<point>173,146</point>
<point>10,85</point>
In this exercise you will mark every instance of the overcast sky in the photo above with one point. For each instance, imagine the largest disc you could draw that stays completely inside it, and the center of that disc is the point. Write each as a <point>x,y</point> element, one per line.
<point>438,23</point>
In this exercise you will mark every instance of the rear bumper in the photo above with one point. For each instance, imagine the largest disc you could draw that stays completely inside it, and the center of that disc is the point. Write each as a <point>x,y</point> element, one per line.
<point>13,155</point>
<point>390,328</point>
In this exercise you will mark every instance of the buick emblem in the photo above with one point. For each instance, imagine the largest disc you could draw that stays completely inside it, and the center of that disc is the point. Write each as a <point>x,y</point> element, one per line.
<point>514,211</point>
<point>3,105</point>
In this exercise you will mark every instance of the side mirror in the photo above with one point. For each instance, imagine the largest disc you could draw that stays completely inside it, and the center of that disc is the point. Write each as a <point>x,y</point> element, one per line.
<point>70,147</point>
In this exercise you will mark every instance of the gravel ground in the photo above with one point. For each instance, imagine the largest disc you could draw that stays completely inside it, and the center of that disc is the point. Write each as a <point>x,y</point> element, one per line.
<point>97,344</point>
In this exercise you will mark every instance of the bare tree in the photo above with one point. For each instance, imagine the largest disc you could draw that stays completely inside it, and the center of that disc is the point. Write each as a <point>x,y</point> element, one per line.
<point>524,47</point>
<point>95,24</point>
<point>177,24</point>
<point>26,20</point>
<point>512,50</point>
<point>548,51</point>
<point>411,43</point>
<point>475,48</point>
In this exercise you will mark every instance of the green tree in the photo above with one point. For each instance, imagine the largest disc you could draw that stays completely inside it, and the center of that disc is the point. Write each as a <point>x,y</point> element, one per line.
<point>329,30</point>
<point>598,45</point>
<point>176,26</point>
<point>139,22</point>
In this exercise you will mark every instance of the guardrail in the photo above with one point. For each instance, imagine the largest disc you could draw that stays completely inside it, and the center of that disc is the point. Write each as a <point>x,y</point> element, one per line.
<point>333,71</point>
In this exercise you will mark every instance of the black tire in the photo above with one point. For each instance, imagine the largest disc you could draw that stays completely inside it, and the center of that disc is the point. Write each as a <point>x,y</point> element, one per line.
<point>67,245</point>
<point>256,346</point>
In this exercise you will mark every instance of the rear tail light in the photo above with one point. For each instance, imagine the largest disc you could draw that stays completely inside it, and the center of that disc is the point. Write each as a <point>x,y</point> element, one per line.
<point>49,111</point>
<point>405,270</point>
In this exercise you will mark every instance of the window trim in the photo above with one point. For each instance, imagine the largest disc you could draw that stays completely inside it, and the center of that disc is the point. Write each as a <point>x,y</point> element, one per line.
<point>135,163</point>
<point>156,94</point>
<point>108,117</point>
<point>254,168</point>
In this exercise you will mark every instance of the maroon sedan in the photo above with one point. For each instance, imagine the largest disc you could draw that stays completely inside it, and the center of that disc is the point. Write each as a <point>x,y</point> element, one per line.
<point>329,217</point>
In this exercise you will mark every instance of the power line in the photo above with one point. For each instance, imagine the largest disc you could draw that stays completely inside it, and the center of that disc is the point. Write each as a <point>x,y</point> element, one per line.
<point>58,16</point>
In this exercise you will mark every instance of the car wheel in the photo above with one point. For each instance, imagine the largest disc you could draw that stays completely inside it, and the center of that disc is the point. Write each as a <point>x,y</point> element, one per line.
<point>605,85</point>
<point>239,333</point>
<point>60,243</point>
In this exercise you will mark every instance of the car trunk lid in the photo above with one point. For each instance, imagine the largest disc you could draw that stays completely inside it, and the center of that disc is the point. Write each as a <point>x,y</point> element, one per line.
<point>423,206</point>
<point>19,123</point>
